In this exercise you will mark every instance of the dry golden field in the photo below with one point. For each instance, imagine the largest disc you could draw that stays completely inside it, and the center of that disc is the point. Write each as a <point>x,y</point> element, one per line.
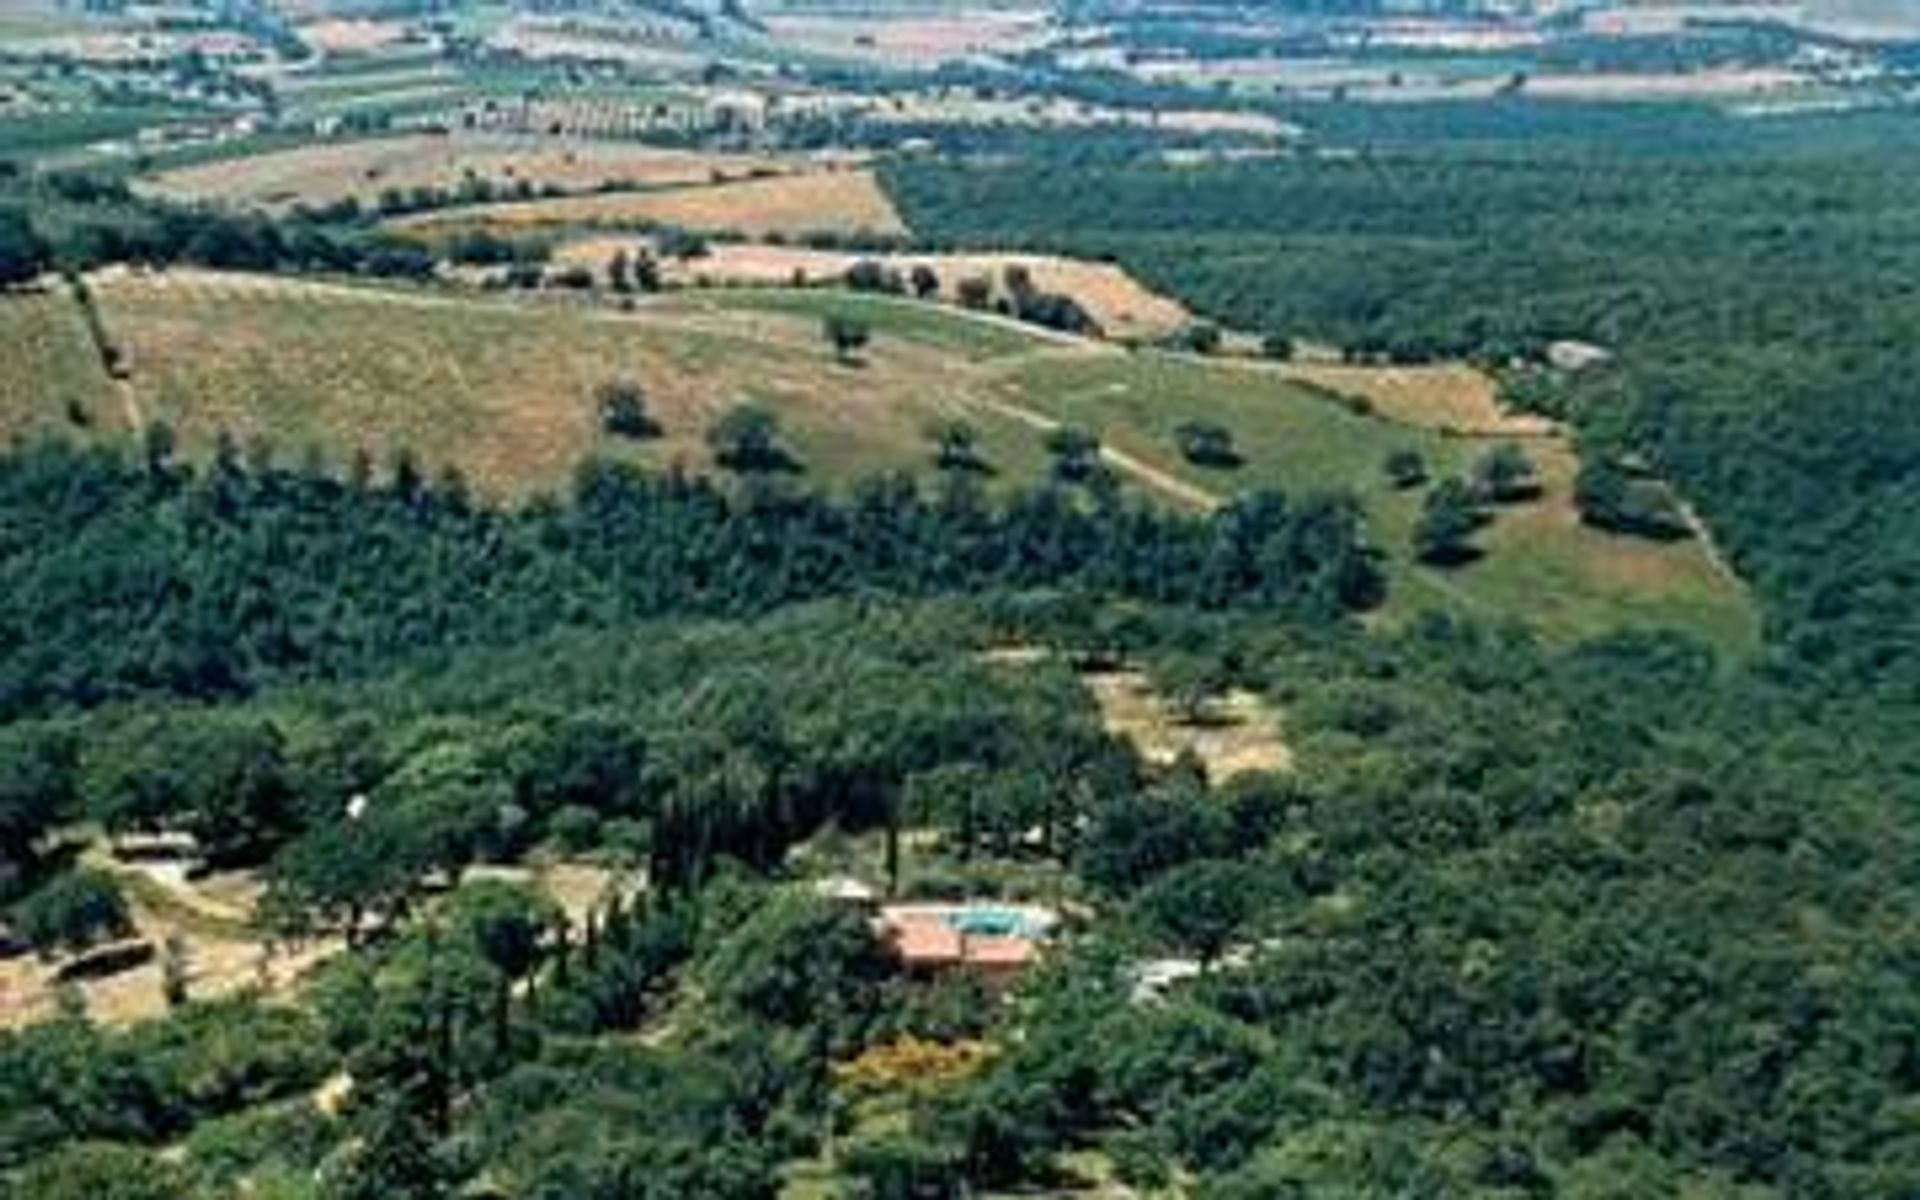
<point>364,168</point>
<point>842,201</point>
<point>503,388</point>
<point>1122,304</point>
<point>914,39</point>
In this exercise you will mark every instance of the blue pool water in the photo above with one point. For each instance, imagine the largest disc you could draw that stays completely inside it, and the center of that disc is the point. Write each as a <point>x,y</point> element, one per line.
<point>993,921</point>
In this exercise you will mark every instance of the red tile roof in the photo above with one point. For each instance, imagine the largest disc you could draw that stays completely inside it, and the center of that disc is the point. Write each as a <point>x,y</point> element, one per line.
<point>998,952</point>
<point>926,943</point>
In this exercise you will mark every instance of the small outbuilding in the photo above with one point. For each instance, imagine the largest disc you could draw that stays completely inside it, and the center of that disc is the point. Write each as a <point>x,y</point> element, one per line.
<point>1569,355</point>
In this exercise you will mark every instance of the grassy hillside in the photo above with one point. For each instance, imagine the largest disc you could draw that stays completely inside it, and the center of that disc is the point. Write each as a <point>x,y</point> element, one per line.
<point>51,373</point>
<point>836,201</point>
<point>504,389</point>
<point>322,172</point>
<point>1541,563</point>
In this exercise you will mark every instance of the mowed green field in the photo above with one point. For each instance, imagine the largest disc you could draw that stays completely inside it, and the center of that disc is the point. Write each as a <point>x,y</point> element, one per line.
<point>1541,564</point>
<point>889,317</point>
<point>503,389</point>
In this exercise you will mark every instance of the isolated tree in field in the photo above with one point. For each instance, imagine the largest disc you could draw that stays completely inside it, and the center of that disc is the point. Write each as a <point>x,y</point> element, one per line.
<point>847,335</point>
<point>176,971</point>
<point>1609,498</point>
<point>1277,346</point>
<point>1447,521</point>
<point>620,272</point>
<point>1191,683</point>
<point>481,248</point>
<point>1505,474</point>
<point>1601,492</point>
<point>1055,310</point>
<point>405,479</point>
<point>746,438</point>
<point>974,292</point>
<point>73,912</point>
<point>23,255</point>
<point>1076,453</point>
<point>1201,337</point>
<point>1405,469</point>
<point>1207,444</point>
<point>924,281</point>
<point>645,271</point>
<point>157,446</point>
<point>680,244</point>
<point>872,275</point>
<point>622,404</point>
<point>956,447</point>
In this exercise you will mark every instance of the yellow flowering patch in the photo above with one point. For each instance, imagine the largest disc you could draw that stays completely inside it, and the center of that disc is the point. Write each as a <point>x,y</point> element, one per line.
<point>912,1062</point>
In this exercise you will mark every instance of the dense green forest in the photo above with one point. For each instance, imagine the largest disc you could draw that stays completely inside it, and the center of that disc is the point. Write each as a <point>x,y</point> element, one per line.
<point>1524,924</point>
<point>128,577</point>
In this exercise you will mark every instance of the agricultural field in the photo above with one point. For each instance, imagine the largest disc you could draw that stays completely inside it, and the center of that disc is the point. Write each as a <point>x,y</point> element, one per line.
<point>839,201</point>
<point>329,171</point>
<point>351,36</point>
<point>1540,562</point>
<point>52,373</point>
<point>772,714</point>
<point>1449,397</point>
<point>505,391</point>
<point>32,20</point>
<point>1124,307</point>
<point>968,107</point>
<point>1870,19</point>
<point>662,45</point>
<point>977,338</point>
<point>631,112</point>
<point>912,39</point>
<point>1416,79</point>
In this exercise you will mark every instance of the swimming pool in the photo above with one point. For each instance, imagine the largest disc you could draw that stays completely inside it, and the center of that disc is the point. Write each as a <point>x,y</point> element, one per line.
<point>999,920</point>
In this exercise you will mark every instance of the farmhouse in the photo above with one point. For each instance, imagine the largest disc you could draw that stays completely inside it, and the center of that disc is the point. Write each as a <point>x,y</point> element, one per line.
<point>994,942</point>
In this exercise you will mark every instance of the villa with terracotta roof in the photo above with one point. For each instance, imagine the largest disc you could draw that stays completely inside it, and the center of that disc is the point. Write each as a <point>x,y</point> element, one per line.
<point>993,941</point>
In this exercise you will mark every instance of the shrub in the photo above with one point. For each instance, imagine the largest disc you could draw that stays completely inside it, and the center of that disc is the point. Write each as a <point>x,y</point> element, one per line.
<point>73,912</point>
<point>1405,469</point>
<point>1207,444</point>
<point>622,404</point>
